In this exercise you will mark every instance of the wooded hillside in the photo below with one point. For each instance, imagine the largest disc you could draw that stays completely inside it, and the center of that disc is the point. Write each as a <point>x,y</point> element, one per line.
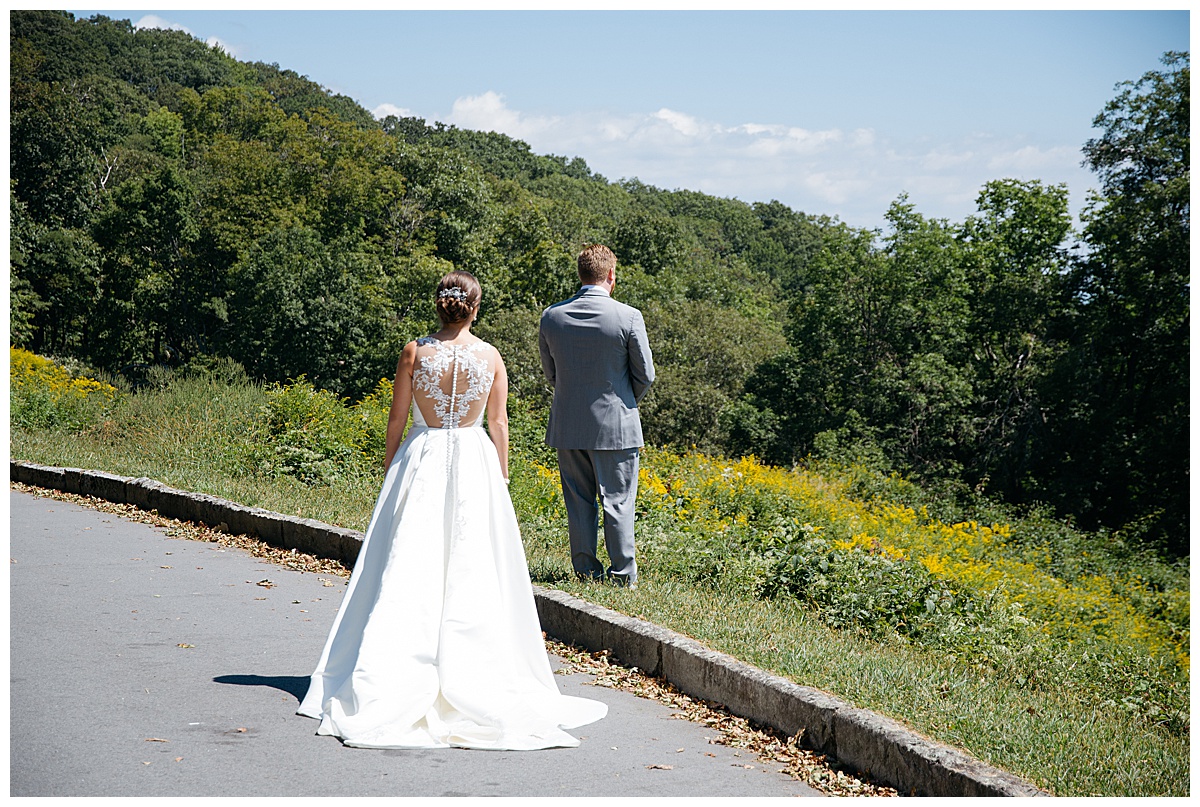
<point>173,206</point>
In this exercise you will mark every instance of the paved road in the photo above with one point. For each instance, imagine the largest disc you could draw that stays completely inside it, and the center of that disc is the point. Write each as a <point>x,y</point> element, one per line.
<point>100,607</point>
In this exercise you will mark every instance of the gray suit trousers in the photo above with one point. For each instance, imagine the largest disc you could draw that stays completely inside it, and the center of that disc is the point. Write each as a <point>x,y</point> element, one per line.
<point>613,477</point>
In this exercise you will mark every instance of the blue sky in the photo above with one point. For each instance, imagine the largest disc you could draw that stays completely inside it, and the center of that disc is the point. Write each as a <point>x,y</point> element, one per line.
<point>832,113</point>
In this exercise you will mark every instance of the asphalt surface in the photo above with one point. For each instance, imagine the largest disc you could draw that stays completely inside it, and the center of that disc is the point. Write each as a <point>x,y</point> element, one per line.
<point>143,665</point>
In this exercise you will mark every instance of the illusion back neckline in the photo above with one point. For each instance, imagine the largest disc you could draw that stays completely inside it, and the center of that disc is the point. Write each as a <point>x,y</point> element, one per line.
<point>451,383</point>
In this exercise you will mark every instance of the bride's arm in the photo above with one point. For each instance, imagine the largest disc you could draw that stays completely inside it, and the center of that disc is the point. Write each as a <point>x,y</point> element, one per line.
<point>497,414</point>
<point>401,400</point>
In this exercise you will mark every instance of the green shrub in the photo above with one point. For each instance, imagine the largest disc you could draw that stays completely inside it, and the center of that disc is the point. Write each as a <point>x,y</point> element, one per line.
<point>45,395</point>
<point>314,436</point>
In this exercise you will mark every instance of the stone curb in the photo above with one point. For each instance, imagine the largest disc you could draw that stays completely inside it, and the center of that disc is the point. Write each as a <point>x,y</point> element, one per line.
<point>857,738</point>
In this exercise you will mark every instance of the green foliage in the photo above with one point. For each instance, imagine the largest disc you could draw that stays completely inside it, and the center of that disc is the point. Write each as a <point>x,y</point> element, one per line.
<point>699,375</point>
<point>314,436</point>
<point>1119,446</point>
<point>170,204</point>
<point>296,308</point>
<point>865,590</point>
<point>43,394</point>
<point>297,95</point>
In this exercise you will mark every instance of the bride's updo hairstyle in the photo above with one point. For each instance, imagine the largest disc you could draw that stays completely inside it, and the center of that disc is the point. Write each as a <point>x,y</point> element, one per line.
<point>458,296</point>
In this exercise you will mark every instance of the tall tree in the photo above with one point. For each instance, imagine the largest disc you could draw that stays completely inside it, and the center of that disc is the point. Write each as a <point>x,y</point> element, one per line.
<point>1015,255</point>
<point>1122,436</point>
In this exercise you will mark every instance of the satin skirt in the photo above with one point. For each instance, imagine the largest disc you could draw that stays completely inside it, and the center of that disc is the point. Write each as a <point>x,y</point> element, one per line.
<point>437,642</point>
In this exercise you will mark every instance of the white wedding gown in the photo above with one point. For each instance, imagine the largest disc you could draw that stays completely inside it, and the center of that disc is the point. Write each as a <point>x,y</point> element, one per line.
<point>437,642</point>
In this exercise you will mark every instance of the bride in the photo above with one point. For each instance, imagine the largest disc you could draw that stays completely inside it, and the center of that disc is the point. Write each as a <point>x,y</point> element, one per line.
<point>437,641</point>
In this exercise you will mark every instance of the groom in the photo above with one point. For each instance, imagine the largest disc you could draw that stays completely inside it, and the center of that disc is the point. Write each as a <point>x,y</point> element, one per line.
<point>595,355</point>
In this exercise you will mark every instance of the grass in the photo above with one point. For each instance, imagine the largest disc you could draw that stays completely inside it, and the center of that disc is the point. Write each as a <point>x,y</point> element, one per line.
<point>204,435</point>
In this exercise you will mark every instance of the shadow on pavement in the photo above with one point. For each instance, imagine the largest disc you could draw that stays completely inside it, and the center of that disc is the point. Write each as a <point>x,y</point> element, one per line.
<point>294,685</point>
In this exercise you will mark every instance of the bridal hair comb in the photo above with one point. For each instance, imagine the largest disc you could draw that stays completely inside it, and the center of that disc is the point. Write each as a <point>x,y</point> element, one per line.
<point>453,291</point>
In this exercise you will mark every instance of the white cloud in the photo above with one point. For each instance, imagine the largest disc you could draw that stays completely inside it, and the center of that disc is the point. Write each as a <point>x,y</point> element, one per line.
<point>1032,159</point>
<point>854,175</point>
<point>489,113</point>
<point>943,159</point>
<point>758,128</point>
<point>383,110</point>
<point>684,124</point>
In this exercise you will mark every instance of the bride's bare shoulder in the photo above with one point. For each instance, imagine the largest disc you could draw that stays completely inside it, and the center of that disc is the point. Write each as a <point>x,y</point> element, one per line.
<point>409,352</point>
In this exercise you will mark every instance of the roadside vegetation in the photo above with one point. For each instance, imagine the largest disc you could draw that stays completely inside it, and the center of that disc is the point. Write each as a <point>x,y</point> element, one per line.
<point>939,468</point>
<point>1057,654</point>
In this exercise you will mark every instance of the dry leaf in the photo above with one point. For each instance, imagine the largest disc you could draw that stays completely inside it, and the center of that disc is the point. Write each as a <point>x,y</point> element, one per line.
<point>185,644</point>
<point>241,730</point>
<point>156,740</point>
<point>660,767</point>
<point>178,759</point>
<point>166,567</point>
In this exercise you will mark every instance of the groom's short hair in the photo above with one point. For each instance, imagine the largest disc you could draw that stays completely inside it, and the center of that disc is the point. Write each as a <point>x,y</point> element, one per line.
<point>595,262</point>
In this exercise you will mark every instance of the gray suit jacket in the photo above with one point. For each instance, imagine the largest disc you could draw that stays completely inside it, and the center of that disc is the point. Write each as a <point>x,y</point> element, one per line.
<point>596,356</point>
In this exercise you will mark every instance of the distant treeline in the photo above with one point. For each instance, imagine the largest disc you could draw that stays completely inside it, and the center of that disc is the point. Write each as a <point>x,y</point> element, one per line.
<point>171,205</point>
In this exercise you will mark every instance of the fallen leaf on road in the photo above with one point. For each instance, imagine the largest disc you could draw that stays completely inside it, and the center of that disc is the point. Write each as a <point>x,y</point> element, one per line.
<point>179,759</point>
<point>145,763</point>
<point>265,583</point>
<point>241,730</point>
<point>747,767</point>
<point>156,740</point>
<point>678,750</point>
<point>185,644</point>
<point>166,567</point>
<point>661,767</point>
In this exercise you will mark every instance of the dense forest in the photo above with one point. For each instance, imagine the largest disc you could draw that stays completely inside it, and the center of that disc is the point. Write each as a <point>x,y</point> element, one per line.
<point>172,206</point>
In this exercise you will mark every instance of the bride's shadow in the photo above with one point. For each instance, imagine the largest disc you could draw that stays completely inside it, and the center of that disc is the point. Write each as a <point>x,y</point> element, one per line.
<point>294,685</point>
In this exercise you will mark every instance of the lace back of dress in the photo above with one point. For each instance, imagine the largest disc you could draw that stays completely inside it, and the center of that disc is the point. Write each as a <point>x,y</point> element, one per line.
<point>451,383</point>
